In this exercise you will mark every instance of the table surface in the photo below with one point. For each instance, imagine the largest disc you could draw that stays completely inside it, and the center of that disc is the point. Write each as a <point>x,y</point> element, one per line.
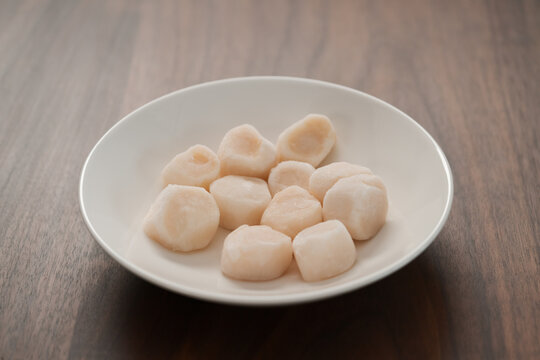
<point>467,71</point>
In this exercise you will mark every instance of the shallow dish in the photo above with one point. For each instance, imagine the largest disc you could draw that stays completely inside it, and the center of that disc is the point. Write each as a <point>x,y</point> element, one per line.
<point>120,179</point>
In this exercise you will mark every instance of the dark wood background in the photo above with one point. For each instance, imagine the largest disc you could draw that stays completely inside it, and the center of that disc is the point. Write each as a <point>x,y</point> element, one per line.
<point>468,71</point>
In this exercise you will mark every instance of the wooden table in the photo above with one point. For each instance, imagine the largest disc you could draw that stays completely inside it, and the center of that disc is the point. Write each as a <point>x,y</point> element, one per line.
<point>467,71</point>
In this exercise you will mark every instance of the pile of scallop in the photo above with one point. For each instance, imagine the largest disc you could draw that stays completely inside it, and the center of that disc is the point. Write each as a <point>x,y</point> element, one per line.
<point>275,200</point>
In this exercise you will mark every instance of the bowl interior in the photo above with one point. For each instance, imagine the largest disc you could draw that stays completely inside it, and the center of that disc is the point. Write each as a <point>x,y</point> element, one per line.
<point>121,179</point>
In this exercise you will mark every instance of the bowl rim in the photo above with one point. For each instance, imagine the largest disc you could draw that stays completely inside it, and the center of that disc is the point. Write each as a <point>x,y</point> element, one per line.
<point>270,300</point>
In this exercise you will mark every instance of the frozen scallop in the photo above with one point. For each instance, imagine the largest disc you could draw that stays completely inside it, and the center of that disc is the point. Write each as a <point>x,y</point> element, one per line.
<point>244,151</point>
<point>324,250</point>
<point>360,203</point>
<point>197,166</point>
<point>309,140</point>
<point>182,218</point>
<point>324,177</point>
<point>256,253</point>
<point>292,210</point>
<point>241,200</point>
<point>288,173</point>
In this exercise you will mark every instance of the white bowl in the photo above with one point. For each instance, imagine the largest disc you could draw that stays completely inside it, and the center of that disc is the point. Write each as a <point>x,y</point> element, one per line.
<point>119,181</point>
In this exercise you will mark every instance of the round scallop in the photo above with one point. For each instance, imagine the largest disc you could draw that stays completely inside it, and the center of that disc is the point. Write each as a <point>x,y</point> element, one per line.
<point>182,218</point>
<point>241,200</point>
<point>256,253</point>
<point>360,203</point>
<point>326,176</point>
<point>243,151</point>
<point>309,140</point>
<point>197,166</point>
<point>292,210</point>
<point>288,173</point>
<point>324,250</point>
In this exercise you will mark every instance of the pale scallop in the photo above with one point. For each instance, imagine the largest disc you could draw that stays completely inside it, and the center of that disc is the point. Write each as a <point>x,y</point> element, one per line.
<point>256,253</point>
<point>360,203</point>
<point>309,140</point>
<point>241,200</point>
<point>243,151</point>
<point>182,218</point>
<point>324,250</point>
<point>292,210</point>
<point>288,173</point>
<point>197,166</point>
<point>326,176</point>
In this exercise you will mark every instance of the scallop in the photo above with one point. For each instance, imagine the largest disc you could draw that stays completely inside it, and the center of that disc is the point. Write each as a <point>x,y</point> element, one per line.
<point>292,210</point>
<point>360,203</point>
<point>324,177</point>
<point>309,140</point>
<point>241,200</point>
<point>197,166</point>
<point>324,250</point>
<point>243,151</point>
<point>182,218</point>
<point>288,173</point>
<point>256,253</point>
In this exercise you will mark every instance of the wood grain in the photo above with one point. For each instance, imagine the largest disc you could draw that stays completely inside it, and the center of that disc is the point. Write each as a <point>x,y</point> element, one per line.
<point>468,71</point>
